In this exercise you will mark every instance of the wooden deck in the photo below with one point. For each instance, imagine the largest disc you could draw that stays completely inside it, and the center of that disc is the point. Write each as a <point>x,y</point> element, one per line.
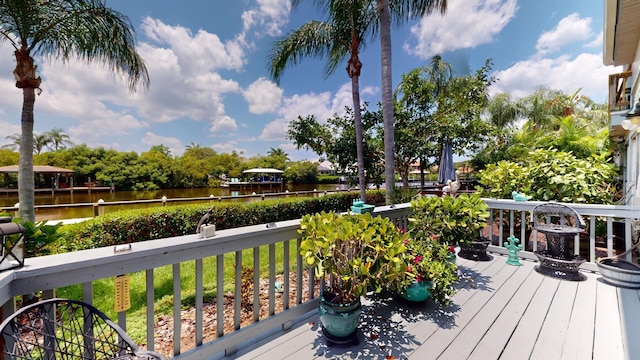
<point>499,312</point>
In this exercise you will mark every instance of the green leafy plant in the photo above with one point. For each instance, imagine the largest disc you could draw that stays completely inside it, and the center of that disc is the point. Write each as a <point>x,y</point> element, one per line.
<point>38,236</point>
<point>359,250</point>
<point>453,220</point>
<point>428,259</point>
<point>548,174</point>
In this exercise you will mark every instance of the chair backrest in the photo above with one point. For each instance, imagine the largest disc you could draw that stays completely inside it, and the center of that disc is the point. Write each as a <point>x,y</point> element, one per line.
<point>558,214</point>
<point>66,329</point>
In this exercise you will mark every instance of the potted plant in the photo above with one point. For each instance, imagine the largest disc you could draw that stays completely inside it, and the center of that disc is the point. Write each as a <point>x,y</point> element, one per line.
<point>430,268</point>
<point>454,220</point>
<point>358,252</point>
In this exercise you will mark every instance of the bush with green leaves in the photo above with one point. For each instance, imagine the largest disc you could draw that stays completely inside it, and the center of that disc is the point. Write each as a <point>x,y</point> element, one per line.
<point>454,220</point>
<point>129,226</point>
<point>548,174</point>
<point>358,250</point>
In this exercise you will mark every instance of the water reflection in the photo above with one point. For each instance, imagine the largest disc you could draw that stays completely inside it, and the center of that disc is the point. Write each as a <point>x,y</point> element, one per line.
<point>84,197</point>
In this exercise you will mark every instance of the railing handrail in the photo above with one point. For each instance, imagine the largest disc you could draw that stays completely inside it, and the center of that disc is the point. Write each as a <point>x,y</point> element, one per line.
<point>83,267</point>
<point>164,201</point>
<point>620,211</point>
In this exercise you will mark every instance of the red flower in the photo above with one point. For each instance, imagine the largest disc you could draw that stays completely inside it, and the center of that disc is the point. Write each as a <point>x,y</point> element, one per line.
<point>451,249</point>
<point>417,259</point>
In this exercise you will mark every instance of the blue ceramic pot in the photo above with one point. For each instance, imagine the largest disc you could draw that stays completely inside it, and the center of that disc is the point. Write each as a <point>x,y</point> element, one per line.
<point>339,320</point>
<point>418,291</point>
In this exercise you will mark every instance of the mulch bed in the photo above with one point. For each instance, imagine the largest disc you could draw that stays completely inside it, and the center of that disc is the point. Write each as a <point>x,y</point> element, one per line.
<point>163,343</point>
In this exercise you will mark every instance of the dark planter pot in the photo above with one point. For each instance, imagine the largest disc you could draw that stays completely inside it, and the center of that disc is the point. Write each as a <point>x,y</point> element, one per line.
<point>339,321</point>
<point>475,250</point>
<point>418,291</point>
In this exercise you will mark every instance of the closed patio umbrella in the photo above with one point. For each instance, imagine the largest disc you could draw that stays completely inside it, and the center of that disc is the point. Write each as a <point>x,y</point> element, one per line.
<point>446,170</point>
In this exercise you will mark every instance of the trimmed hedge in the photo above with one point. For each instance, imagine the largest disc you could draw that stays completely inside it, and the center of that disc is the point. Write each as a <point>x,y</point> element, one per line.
<point>156,223</point>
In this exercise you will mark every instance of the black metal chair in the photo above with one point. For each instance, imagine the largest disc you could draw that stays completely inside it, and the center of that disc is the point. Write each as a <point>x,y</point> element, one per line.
<point>66,329</point>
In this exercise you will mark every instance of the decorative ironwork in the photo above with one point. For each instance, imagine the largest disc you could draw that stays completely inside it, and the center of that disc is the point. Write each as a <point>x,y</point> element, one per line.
<point>560,224</point>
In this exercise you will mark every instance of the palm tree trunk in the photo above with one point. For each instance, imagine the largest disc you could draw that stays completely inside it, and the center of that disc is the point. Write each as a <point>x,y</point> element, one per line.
<point>387,98</point>
<point>25,170</point>
<point>355,93</point>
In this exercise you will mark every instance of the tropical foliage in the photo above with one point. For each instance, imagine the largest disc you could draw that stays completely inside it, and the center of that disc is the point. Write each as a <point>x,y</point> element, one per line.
<point>428,259</point>
<point>336,138</point>
<point>157,168</point>
<point>435,107</point>
<point>82,29</point>
<point>358,250</point>
<point>452,220</point>
<point>343,35</point>
<point>549,174</point>
<point>545,119</point>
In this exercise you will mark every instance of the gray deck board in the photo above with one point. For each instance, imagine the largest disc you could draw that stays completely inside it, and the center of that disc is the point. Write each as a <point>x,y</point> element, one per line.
<point>498,312</point>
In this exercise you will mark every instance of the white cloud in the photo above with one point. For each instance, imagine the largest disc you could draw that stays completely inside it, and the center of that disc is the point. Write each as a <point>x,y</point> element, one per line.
<point>263,96</point>
<point>8,129</point>
<point>586,71</point>
<point>196,53</point>
<point>223,126</point>
<point>174,144</point>
<point>322,106</point>
<point>268,17</point>
<point>570,29</point>
<point>596,42</point>
<point>228,147</point>
<point>467,24</point>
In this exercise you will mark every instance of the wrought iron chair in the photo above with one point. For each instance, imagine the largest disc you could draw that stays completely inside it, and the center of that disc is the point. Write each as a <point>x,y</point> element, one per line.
<point>66,329</point>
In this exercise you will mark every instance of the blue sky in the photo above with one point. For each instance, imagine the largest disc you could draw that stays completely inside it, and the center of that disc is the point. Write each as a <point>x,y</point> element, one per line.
<point>210,85</point>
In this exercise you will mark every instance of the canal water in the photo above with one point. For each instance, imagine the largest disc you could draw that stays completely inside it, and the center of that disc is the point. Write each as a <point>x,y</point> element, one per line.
<point>70,205</point>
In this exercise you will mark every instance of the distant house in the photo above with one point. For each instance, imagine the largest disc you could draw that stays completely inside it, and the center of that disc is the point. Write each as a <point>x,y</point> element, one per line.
<point>621,48</point>
<point>326,168</point>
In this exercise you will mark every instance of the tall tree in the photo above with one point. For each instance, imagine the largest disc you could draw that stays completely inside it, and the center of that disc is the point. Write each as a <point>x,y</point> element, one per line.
<point>448,112</point>
<point>15,142</point>
<point>62,29</point>
<point>40,141</point>
<point>350,21</point>
<point>57,139</point>
<point>401,10</point>
<point>277,152</point>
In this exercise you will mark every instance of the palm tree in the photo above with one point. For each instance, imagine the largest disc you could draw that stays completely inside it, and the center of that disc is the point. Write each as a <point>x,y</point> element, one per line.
<point>84,29</point>
<point>502,112</point>
<point>350,21</point>
<point>58,139</point>
<point>15,142</point>
<point>401,10</point>
<point>277,152</point>
<point>40,141</point>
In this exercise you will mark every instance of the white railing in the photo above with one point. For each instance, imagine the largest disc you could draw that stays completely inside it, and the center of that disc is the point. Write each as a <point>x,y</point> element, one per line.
<point>615,220</point>
<point>84,267</point>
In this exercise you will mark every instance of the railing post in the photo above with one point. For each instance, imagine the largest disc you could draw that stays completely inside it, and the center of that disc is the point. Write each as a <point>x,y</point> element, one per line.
<point>98,208</point>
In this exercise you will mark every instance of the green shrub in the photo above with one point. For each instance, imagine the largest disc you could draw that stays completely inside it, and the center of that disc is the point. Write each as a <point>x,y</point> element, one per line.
<point>156,223</point>
<point>552,175</point>
<point>328,179</point>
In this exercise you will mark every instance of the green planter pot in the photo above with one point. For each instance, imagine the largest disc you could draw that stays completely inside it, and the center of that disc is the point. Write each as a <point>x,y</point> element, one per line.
<point>452,257</point>
<point>339,320</point>
<point>418,291</point>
